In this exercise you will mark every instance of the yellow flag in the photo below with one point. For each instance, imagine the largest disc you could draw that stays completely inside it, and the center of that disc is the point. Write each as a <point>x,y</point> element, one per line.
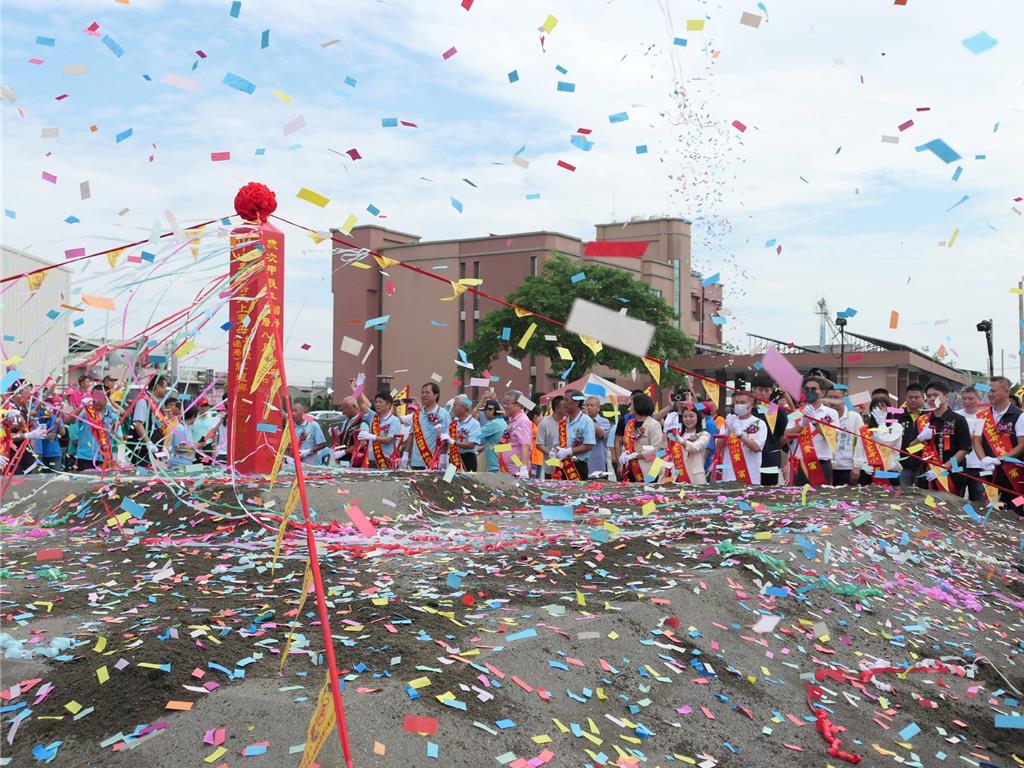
<point>274,386</point>
<point>195,239</point>
<point>653,368</point>
<point>526,336</point>
<point>35,281</point>
<point>113,257</point>
<point>830,434</point>
<point>316,237</point>
<point>712,389</point>
<point>307,582</point>
<point>267,360</point>
<point>593,345</point>
<point>384,261</point>
<point>286,440</point>
<point>457,290</point>
<point>522,312</point>
<point>289,507</point>
<point>321,723</point>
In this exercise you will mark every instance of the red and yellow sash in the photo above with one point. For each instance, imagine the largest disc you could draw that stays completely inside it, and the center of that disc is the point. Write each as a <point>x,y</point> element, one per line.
<point>633,472</point>
<point>871,451</point>
<point>739,462</point>
<point>1000,445</point>
<point>930,455</point>
<point>378,450</point>
<point>678,454</point>
<point>568,469</point>
<point>430,459</point>
<point>809,460</point>
<point>454,457</point>
<point>100,434</point>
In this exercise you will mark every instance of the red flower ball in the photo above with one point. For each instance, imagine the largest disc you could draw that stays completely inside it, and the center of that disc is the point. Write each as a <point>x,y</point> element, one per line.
<point>255,202</point>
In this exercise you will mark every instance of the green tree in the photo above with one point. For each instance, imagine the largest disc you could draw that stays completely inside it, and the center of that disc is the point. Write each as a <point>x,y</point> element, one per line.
<point>552,294</point>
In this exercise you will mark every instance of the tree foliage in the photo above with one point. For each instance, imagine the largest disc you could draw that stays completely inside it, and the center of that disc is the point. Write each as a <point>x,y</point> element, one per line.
<point>552,294</point>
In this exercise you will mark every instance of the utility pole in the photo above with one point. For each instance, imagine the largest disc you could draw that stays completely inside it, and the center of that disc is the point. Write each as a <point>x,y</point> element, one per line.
<point>1020,331</point>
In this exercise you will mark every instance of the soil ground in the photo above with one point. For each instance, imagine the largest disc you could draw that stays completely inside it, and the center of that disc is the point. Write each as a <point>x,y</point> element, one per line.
<point>655,628</point>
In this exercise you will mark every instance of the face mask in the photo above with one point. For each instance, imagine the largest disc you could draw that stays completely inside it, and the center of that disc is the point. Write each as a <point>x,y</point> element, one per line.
<point>742,410</point>
<point>812,395</point>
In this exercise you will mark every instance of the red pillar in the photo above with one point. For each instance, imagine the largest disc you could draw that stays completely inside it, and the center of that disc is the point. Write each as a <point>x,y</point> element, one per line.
<point>256,314</point>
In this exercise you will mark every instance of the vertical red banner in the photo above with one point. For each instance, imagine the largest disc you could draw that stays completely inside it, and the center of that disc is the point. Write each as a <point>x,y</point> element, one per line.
<point>254,385</point>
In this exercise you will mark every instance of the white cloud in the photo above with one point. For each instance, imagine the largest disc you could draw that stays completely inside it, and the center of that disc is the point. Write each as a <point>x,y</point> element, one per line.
<point>780,80</point>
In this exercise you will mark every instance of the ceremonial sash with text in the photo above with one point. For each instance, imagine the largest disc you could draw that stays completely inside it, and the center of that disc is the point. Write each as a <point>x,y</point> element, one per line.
<point>633,471</point>
<point>873,452</point>
<point>809,457</point>
<point>930,455</point>
<point>100,434</point>
<point>430,459</point>
<point>1000,444</point>
<point>453,450</point>
<point>568,469</point>
<point>678,454</point>
<point>739,462</point>
<point>378,450</point>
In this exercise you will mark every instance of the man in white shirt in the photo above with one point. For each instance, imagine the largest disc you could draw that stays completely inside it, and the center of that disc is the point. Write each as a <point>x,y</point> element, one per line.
<point>576,438</point>
<point>970,402</point>
<point>810,449</point>
<point>1003,438</point>
<point>464,433</point>
<point>547,430</point>
<point>422,450</point>
<point>745,436</point>
<point>848,458</point>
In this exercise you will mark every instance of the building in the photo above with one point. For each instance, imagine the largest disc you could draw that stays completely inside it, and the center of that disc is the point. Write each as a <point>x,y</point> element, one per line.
<point>863,363</point>
<point>422,333</point>
<point>34,329</point>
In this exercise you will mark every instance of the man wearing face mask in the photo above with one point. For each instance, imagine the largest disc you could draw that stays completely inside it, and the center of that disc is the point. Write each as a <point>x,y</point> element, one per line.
<point>946,441</point>
<point>1003,438</point>
<point>810,451</point>
<point>970,403</point>
<point>745,436</point>
<point>763,388</point>
<point>848,458</point>
<point>913,407</point>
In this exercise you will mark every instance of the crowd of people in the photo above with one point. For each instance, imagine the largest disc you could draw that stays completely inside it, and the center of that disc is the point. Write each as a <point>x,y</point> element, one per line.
<point>970,442</point>
<point>767,438</point>
<point>99,425</point>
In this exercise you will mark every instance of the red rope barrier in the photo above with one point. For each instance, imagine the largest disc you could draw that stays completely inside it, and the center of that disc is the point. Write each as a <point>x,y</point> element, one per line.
<point>692,374</point>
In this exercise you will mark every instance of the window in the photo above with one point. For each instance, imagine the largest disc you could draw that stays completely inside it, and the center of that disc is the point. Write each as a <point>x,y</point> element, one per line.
<point>533,266</point>
<point>476,296</point>
<point>657,292</point>
<point>695,307</point>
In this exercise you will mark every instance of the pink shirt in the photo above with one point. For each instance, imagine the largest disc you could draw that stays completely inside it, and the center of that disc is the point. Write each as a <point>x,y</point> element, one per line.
<point>520,433</point>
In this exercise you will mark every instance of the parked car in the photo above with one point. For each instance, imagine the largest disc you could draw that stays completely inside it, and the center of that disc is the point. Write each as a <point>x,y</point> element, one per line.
<point>328,419</point>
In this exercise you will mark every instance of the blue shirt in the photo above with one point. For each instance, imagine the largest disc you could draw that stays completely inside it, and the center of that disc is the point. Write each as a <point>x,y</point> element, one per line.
<point>45,447</point>
<point>468,431</point>
<point>490,435</point>
<point>598,459</point>
<point>431,432</point>
<point>310,435</point>
<point>182,452</point>
<point>580,431</point>
<point>88,448</point>
<point>712,428</point>
<point>390,426</point>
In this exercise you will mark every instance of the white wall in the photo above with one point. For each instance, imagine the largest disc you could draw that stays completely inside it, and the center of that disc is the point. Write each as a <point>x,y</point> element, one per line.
<point>40,341</point>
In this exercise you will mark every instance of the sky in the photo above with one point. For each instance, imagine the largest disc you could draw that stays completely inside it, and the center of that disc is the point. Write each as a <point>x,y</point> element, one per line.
<point>757,134</point>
